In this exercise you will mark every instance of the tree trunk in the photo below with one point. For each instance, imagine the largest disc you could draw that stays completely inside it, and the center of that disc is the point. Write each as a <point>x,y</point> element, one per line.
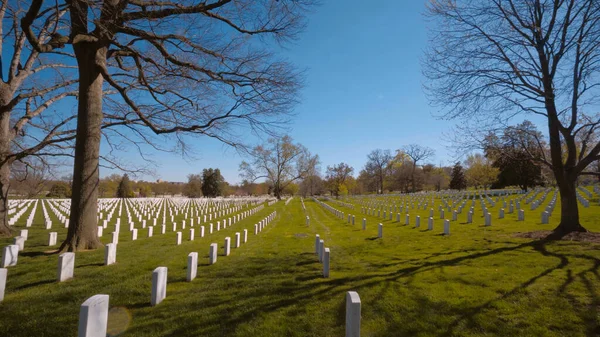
<point>84,202</point>
<point>412,177</point>
<point>4,172</point>
<point>569,209</point>
<point>277,191</point>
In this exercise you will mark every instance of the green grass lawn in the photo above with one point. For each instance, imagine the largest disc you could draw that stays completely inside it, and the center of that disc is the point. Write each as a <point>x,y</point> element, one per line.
<point>478,281</point>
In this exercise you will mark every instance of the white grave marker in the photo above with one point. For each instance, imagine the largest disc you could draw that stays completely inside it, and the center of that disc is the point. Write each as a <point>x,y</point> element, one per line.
<point>159,286</point>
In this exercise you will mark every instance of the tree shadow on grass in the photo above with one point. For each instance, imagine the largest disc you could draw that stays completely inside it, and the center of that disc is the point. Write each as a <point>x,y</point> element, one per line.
<point>306,289</point>
<point>99,264</point>
<point>38,253</point>
<point>31,285</point>
<point>307,262</point>
<point>540,247</point>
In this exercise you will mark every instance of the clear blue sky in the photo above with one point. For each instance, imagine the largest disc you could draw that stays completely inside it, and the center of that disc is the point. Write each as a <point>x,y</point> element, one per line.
<point>363,90</point>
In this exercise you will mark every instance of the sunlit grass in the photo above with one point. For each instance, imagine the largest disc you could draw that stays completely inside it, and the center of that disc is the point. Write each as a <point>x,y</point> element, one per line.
<point>478,281</point>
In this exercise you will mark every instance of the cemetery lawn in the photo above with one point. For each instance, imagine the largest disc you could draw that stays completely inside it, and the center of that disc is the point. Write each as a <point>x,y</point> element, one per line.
<point>478,281</point>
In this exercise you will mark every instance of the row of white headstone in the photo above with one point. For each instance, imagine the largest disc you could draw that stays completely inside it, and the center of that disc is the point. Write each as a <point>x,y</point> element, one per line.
<point>323,254</point>
<point>66,261</point>
<point>93,313</point>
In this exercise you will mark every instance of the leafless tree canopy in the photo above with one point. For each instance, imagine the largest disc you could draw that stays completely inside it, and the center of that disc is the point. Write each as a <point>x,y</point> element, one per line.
<point>416,153</point>
<point>31,84</point>
<point>280,162</point>
<point>491,60</point>
<point>174,67</point>
<point>185,66</point>
<point>378,166</point>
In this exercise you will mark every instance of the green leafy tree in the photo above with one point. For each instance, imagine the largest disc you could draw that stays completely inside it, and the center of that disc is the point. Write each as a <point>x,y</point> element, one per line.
<point>480,171</point>
<point>124,190</point>
<point>59,190</point>
<point>193,188</point>
<point>144,189</point>
<point>513,154</point>
<point>212,182</point>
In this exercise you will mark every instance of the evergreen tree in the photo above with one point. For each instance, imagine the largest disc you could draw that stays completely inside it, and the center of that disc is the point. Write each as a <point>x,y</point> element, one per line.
<point>124,190</point>
<point>212,182</point>
<point>458,180</point>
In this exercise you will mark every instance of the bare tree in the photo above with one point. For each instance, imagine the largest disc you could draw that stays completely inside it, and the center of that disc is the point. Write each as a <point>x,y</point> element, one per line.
<point>492,60</point>
<point>30,177</point>
<point>336,177</point>
<point>378,166</point>
<point>416,153</point>
<point>32,86</point>
<point>281,162</point>
<point>176,67</point>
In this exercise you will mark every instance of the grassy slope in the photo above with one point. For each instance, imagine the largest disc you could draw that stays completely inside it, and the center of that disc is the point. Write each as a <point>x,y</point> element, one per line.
<point>479,281</point>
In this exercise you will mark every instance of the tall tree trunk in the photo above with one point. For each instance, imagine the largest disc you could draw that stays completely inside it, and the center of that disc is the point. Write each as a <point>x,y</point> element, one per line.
<point>412,177</point>
<point>84,202</point>
<point>4,186</point>
<point>5,138</point>
<point>277,191</point>
<point>569,209</point>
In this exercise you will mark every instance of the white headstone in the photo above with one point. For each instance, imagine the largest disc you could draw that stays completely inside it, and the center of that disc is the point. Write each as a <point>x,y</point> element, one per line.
<point>321,250</point>
<point>93,317</point>
<point>227,246</point>
<point>212,253</point>
<point>326,263</point>
<point>352,314</point>
<point>52,238</point>
<point>236,241</point>
<point>3,274</point>
<point>245,235</point>
<point>20,242</point>
<point>24,233</point>
<point>192,266</point>
<point>110,254</point>
<point>380,232</point>
<point>178,238</point>
<point>66,265</point>
<point>159,285</point>
<point>10,255</point>
<point>134,234</point>
<point>521,215</point>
